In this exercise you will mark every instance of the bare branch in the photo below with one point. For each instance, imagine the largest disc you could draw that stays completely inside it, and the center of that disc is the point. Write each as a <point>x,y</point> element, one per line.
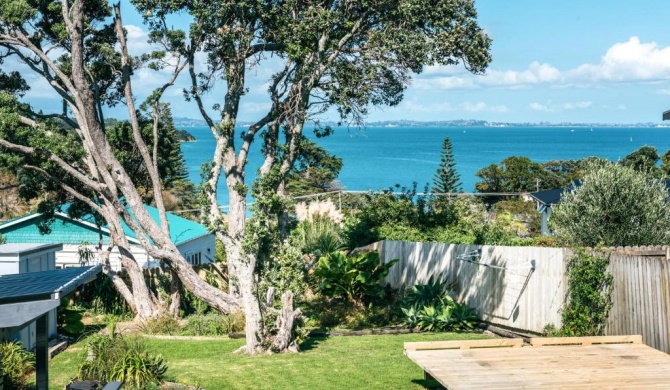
<point>152,168</point>
<point>95,186</point>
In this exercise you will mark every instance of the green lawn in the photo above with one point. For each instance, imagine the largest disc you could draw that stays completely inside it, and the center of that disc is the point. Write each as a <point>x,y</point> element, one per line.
<point>352,362</point>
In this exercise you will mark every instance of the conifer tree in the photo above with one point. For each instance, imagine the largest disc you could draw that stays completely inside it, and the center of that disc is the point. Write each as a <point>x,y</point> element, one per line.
<point>447,179</point>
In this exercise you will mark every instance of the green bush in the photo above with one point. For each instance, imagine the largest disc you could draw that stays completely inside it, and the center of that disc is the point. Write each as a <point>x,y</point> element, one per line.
<point>17,363</point>
<point>589,297</point>
<point>318,236</point>
<point>70,319</point>
<point>432,293</point>
<point>429,307</point>
<point>614,206</point>
<point>165,324</point>
<point>115,357</point>
<point>213,324</point>
<point>357,278</point>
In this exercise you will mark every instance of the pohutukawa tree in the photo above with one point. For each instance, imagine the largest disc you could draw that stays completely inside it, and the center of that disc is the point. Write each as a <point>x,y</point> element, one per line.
<point>79,49</point>
<point>337,56</point>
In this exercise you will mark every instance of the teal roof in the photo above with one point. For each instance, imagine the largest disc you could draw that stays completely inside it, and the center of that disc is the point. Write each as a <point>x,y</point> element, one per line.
<point>72,231</point>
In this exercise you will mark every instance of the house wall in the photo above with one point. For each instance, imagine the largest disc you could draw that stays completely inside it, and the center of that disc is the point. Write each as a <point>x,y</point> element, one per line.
<point>205,246</point>
<point>69,257</point>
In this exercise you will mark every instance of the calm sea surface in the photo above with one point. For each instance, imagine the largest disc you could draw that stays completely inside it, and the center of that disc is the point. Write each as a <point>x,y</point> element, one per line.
<point>379,157</point>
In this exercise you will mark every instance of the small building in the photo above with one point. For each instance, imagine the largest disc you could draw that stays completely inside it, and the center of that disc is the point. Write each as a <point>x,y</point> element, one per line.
<point>31,297</point>
<point>23,259</point>
<point>80,235</point>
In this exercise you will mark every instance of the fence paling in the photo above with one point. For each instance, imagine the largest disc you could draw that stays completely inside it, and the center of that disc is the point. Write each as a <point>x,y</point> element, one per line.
<point>528,300</point>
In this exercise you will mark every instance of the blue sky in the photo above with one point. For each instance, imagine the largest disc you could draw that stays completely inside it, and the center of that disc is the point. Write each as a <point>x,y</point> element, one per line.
<point>568,61</point>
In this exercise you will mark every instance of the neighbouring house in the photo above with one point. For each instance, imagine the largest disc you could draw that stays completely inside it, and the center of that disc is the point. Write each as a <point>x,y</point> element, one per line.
<point>548,198</point>
<point>79,235</point>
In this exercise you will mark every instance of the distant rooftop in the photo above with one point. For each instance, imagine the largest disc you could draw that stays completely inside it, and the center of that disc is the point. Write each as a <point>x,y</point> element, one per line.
<point>24,249</point>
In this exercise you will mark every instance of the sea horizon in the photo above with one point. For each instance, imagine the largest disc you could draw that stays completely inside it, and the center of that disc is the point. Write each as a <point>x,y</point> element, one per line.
<point>377,158</point>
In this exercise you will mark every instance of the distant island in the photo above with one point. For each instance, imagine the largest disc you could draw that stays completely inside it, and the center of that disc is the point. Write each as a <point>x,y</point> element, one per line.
<point>190,122</point>
<point>185,136</point>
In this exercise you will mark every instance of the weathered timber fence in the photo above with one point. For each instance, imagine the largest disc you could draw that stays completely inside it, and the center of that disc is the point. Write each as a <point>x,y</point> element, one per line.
<point>641,296</point>
<point>506,291</point>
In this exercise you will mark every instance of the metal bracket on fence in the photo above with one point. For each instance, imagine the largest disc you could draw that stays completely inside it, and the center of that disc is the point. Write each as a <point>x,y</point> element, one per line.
<point>474,256</point>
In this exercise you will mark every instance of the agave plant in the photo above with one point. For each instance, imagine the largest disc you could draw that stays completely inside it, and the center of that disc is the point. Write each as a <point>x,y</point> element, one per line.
<point>463,317</point>
<point>433,293</point>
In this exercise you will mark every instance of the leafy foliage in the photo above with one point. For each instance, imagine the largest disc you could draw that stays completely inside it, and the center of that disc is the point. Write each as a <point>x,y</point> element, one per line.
<point>432,293</point>
<point>429,307</point>
<point>588,299</point>
<point>615,205</point>
<point>116,357</point>
<point>356,278</point>
<point>315,170</point>
<point>17,363</point>
<point>70,319</point>
<point>318,236</point>
<point>643,159</point>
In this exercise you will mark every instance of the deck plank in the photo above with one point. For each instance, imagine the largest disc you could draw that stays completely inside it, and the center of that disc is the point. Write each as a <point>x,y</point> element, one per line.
<point>606,366</point>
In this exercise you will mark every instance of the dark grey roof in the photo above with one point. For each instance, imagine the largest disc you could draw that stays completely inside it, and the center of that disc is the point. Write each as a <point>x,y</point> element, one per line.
<point>551,197</point>
<point>54,284</point>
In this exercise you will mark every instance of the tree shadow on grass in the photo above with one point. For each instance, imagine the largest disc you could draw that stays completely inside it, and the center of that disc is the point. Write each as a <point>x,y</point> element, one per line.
<point>426,384</point>
<point>312,343</point>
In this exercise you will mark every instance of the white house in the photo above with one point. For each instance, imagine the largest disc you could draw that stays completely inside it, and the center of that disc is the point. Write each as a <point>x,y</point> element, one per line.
<point>80,235</point>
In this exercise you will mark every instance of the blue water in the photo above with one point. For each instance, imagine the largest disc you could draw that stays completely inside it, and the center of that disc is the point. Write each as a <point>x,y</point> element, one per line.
<point>379,157</point>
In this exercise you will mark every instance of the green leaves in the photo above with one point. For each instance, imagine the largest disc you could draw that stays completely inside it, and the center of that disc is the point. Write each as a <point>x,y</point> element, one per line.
<point>589,296</point>
<point>356,278</point>
<point>614,206</point>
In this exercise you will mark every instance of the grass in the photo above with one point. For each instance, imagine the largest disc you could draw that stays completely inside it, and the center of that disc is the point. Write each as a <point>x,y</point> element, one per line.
<point>353,362</point>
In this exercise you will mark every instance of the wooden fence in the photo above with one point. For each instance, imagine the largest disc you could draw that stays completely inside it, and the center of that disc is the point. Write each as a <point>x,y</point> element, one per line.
<point>641,297</point>
<point>524,287</point>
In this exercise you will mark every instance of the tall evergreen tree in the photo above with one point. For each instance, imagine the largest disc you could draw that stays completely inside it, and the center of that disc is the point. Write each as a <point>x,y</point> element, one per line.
<point>447,179</point>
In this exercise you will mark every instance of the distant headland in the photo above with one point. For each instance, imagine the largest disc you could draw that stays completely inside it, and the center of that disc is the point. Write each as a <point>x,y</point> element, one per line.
<point>190,122</point>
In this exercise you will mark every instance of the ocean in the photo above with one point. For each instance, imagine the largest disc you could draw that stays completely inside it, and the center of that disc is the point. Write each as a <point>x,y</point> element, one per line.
<point>379,157</point>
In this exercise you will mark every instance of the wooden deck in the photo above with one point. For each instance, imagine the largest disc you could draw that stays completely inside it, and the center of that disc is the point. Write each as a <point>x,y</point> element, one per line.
<point>571,363</point>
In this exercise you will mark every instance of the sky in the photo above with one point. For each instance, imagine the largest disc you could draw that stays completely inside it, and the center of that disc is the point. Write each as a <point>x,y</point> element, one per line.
<point>593,61</point>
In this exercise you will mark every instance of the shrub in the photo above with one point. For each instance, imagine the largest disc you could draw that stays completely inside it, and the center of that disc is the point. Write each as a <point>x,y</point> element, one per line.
<point>432,293</point>
<point>318,236</point>
<point>70,319</point>
<point>356,278</point>
<point>17,363</point>
<point>121,358</point>
<point>589,296</point>
<point>429,307</point>
<point>165,324</point>
<point>213,324</point>
<point>614,206</point>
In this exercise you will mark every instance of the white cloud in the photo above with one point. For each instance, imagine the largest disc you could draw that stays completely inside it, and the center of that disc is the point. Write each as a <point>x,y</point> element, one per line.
<point>416,107</point>
<point>540,107</point>
<point>630,61</point>
<point>577,106</point>
<point>481,106</point>
<point>553,107</point>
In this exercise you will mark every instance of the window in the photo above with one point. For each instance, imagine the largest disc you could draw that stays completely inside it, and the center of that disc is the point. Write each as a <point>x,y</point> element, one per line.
<point>194,258</point>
